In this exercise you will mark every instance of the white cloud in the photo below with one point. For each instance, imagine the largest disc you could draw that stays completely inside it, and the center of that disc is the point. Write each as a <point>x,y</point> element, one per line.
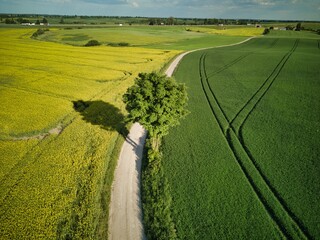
<point>135,4</point>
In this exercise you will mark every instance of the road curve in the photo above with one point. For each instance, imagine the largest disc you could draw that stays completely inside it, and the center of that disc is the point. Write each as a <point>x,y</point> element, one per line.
<point>125,212</point>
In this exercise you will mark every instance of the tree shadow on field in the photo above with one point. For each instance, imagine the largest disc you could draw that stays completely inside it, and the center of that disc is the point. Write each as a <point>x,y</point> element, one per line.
<point>103,114</point>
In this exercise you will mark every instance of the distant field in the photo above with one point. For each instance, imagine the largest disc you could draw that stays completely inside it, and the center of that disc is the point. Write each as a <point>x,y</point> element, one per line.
<point>244,164</point>
<point>292,34</point>
<point>160,37</point>
<point>306,25</point>
<point>229,30</point>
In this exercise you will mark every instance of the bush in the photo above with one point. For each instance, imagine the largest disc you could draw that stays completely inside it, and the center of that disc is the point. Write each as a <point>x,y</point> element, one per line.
<point>39,32</point>
<point>120,44</point>
<point>266,31</point>
<point>156,198</point>
<point>10,21</point>
<point>92,43</point>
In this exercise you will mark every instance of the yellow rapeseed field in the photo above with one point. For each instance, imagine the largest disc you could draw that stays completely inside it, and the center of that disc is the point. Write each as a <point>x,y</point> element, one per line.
<point>56,161</point>
<point>235,31</point>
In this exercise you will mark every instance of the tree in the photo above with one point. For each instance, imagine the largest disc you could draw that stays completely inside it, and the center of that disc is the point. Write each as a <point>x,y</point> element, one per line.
<point>45,21</point>
<point>61,20</point>
<point>170,21</point>
<point>10,21</point>
<point>266,31</point>
<point>151,22</point>
<point>298,27</point>
<point>92,43</point>
<point>157,102</point>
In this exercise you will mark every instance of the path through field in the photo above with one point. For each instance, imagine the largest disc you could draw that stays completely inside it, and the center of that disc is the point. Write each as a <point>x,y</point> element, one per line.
<point>125,216</point>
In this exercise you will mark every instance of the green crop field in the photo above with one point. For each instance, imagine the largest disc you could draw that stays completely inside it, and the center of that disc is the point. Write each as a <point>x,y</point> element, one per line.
<point>244,164</point>
<point>155,37</point>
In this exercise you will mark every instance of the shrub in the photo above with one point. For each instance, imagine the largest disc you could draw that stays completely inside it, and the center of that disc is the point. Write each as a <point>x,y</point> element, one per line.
<point>120,44</point>
<point>266,31</point>
<point>39,32</point>
<point>156,198</point>
<point>92,43</point>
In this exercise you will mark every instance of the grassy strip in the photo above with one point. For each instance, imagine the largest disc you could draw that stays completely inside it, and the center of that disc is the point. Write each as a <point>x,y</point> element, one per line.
<point>156,198</point>
<point>103,223</point>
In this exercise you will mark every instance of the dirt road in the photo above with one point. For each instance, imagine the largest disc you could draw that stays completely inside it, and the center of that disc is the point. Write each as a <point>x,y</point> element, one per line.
<point>125,215</point>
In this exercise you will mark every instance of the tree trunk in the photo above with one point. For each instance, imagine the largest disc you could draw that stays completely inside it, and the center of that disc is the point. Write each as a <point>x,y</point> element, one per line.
<point>155,143</point>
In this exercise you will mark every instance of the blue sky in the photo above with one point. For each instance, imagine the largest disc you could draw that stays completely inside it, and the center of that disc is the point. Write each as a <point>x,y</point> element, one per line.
<point>254,9</point>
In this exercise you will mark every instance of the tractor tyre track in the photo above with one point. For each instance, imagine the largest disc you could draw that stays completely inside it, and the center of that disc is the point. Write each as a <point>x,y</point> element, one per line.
<point>262,90</point>
<point>284,223</point>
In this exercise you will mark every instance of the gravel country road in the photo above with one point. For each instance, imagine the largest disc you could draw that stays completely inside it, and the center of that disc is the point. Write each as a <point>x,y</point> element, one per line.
<point>125,214</point>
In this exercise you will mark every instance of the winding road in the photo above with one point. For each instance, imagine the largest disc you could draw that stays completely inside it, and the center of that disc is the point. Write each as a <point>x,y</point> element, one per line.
<point>125,213</point>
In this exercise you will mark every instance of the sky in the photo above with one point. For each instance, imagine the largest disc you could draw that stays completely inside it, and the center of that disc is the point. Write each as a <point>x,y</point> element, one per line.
<point>235,9</point>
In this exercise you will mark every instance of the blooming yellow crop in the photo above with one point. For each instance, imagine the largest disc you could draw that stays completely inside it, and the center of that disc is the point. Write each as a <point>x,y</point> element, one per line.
<point>53,159</point>
<point>235,31</point>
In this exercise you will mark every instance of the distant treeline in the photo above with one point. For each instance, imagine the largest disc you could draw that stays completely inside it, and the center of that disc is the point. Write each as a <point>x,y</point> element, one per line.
<point>75,19</point>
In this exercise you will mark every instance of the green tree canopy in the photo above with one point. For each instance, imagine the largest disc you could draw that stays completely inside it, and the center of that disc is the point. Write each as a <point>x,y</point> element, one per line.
<point>298,27</point>
<point>157,102</point>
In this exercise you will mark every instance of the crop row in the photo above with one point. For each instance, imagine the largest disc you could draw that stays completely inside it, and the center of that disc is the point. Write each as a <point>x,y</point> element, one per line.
<point>58,185</point>
<point>235,84</point>
<point>273,203</point>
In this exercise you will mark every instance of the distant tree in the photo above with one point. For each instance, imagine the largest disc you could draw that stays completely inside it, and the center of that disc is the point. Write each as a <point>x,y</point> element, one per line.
<point>19,20</point>
<point>61,20</point>
<point>157,102</point>
<point>39,32</point>
<point>152,21</point>
<point>45,21</point>
<point>289,27</point>
<point>266,31</point>
<point>92,43</point>
<point>38,22</point>
<point>158,21</point>
<point>298,27</point>
<point>170,21</point>
<point>10,21</point>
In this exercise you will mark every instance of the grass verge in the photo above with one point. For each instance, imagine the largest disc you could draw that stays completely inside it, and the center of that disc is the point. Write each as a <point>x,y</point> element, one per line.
<point>156,198</point>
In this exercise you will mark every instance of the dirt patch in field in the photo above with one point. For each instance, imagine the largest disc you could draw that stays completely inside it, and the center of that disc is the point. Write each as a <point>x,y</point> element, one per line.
<point>54,131</point>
